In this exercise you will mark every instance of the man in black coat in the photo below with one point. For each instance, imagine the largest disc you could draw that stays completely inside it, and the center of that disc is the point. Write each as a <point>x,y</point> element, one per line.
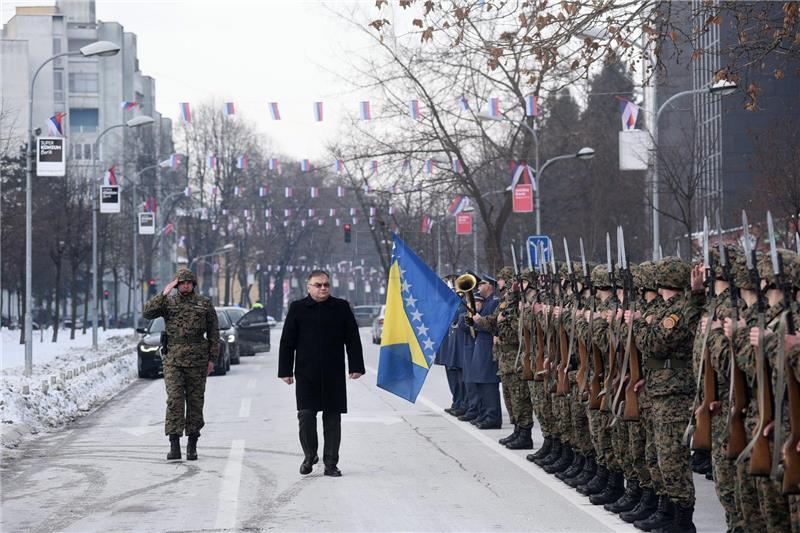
<point>315,332</point>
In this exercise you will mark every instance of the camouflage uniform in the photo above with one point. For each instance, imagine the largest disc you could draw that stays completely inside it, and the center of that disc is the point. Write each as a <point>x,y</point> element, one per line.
<point>187,317</point>
<point>666,345</point>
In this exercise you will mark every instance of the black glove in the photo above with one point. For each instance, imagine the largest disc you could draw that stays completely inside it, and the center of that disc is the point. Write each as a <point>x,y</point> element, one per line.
<point>468,320</point>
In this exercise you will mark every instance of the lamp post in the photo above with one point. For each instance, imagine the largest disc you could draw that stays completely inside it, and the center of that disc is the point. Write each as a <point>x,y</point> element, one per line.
<point>141,120</point>
<point>99,49</point>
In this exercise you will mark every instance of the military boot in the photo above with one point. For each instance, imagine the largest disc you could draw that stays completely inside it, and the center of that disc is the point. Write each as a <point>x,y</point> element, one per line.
<point>575,466</point>
<point>648,503</point>
<point>511,437</point>
<point>553,455</point>
<point>585,475</point>
<point>662,517</point>
<point>174,447</point>
<point>542,451</point>
<point>191,448</point>
<point>629,499</point>
<point>597,483</point>
<point>613,490</point>
<point>563,462</point>
<point>523,440</point>
<point>681,521</point>
<point>701,461</point>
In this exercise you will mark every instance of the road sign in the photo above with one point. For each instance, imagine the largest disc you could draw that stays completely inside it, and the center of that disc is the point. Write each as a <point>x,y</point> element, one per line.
<point>534,242</point>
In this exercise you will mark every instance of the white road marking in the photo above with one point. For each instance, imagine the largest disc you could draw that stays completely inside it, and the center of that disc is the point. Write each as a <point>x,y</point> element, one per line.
<point>229,492</point>
<point>385,420</point>
<point>244,408</point>
<point>138,431</point>
<point>251,384</point>
<point>607,519</point>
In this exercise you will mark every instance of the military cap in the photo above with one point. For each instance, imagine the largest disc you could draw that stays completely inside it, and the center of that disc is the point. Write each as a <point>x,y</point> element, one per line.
<point>644,276</point>
<point>765,270</point>
<point>184,274</point>
<point>478,297</point>
<point>505,273</point>
<point>599,277</point>
<point>485,278</point>
<point>673,273</point>
<point>741,277</point>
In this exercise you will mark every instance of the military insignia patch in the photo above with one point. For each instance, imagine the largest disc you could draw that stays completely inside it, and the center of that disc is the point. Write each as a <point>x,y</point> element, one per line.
<point>670,321</point>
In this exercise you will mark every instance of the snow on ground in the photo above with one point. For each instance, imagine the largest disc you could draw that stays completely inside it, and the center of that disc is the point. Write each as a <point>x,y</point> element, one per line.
<point>68,379</point>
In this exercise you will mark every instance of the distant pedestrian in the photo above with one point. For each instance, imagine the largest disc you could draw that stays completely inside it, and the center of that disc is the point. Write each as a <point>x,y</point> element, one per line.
<point>192,346</point>
<point>315,333</point>
<point>257,305</point>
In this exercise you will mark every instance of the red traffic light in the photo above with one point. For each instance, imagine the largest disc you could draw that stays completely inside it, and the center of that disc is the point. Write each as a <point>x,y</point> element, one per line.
<point>152,282</point>
<point>347,227</point>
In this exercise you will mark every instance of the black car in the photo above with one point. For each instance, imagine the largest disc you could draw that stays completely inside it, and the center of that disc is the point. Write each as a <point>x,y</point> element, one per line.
<point>234,314</point>
<point>149,362</point>
<point>253,331</point>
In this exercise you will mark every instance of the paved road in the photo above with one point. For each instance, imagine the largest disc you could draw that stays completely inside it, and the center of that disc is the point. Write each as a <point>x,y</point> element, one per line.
<point>406,467</point>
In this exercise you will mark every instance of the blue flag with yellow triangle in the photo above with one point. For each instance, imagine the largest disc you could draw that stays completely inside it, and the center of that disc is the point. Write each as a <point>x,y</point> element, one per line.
<point>419,309</point>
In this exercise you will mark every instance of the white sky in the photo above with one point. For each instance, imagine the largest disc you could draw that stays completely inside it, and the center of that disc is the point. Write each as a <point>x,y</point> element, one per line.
<point>250,52</point>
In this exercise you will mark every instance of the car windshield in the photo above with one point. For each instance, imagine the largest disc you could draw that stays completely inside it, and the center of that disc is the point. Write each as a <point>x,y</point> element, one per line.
<point>235,313</point>
<point>156,326</point>
<point>366,310</point>
<point>222,318</point>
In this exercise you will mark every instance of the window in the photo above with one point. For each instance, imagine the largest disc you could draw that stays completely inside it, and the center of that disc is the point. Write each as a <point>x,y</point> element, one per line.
<point>76,44</point>
<point>87,151</point>
<point>83,82</point>
<point>77,151</point>
<point>57,50</point>
<point>83,119</point>
<point>58,85</point>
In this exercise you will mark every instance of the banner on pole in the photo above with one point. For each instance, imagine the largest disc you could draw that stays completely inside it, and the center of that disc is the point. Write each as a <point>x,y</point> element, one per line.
<point>147,223</point>
<point>51,157</point>
<point>523,198</point>
<point>464,224</point>
<point>109,199</point>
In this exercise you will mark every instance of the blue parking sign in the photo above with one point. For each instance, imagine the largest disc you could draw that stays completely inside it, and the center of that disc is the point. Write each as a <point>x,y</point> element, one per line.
<point>534,242</point>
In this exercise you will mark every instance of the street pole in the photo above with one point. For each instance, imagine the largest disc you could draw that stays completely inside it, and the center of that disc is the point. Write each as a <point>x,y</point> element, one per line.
<point>439,249</point>
<point>474,247</point>
<point>136,283</point>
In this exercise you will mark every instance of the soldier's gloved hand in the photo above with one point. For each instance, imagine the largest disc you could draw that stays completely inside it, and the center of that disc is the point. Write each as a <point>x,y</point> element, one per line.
<point>468,320</point>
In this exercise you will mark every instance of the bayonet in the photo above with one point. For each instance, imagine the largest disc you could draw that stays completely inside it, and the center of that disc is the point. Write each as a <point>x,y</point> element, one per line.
<point>780,379</point>
<point>773,249</point>
<point>583,259</point>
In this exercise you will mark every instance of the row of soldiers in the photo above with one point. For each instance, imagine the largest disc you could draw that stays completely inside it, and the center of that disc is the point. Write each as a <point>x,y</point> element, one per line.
<point>651,361</point>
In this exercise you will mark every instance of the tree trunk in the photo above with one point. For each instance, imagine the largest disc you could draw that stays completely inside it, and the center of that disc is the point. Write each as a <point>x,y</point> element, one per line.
<point>57,314</point>
<point>86,297</point>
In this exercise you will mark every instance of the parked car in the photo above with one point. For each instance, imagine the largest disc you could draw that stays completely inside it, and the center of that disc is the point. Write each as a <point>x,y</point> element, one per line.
<point>377,326</point>
<point>149,362</point>
<point>253,329</point>
<point>365,314</point>
<point>234,314</point>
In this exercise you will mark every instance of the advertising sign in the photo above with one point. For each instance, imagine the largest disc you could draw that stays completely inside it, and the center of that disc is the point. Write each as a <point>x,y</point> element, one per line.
<point>147,223</point>
<point>109,199</point>
<point>51,156</point>
<point>523,198</point>
<point>464,224</point>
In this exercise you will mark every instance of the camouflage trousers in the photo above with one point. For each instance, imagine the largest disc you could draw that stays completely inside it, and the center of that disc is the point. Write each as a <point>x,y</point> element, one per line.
<point>774,505</point>
<point>601,438</point>
<point>541,407</point>
<point>619,443</point>
<point>580,425</point>
<point>674,458</point>
<point>186,389</point>
<point>517,398</point>
<point>724,470</point>
<point>650,451</point>
<point>563,418</point>
<point>637,440</point>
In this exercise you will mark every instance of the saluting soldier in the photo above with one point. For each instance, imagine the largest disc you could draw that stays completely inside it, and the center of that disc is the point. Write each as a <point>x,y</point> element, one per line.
<point>192,347</point>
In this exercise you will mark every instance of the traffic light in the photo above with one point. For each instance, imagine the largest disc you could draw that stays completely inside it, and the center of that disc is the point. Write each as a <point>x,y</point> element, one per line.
<point>347,235</point>
<point>151,289</point>
<point>105,294</point>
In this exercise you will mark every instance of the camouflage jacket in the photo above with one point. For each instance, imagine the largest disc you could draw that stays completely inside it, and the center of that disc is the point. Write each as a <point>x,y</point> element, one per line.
<point>745,353</point>
<point>668,338</point>
<point>187,318</point>
<point>506,330</point>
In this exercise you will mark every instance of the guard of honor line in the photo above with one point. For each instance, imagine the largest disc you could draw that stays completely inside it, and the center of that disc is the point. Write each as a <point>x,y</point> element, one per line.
<point>651,361</point>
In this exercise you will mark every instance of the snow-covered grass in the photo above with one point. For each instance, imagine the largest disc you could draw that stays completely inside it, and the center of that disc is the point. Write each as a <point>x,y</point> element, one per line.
<point>68,380</point>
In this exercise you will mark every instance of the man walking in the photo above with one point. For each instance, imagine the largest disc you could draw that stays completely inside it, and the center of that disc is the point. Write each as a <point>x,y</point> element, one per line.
<point>315,333</point>
<point>188,357</point>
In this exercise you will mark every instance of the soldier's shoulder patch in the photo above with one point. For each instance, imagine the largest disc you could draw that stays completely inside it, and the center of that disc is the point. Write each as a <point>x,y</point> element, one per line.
<point>670,321</point>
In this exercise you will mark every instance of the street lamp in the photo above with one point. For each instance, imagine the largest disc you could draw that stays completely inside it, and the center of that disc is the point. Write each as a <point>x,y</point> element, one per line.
<point>99,49</point>
<point>584,153</point>
<point>218,251</point>
<point>141,120</point>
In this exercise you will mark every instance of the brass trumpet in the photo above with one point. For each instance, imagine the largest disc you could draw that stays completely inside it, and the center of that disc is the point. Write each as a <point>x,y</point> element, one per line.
<point>466,283</point>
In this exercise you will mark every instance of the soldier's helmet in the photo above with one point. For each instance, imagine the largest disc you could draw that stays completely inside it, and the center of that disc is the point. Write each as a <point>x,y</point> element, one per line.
<point>184,274</point>
<point>600,277</point>
<point>644,276</point>
<point>765,269</point>
<point>673,273</point>
<point>506,273</point>
<point>794,272</point>
<point>741,277</point>
<point>731,253</point>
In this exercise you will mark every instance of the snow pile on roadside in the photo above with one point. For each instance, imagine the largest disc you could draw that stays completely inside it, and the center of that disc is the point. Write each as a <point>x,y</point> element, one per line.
<point>71,384</point>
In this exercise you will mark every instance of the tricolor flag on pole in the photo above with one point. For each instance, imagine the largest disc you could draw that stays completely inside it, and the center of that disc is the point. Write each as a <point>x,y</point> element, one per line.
<point>494,107</point>
<point>273,164</point>
<point>174,161</point>
<point>463,103</point>
<point>427,224</point>
<point>55,125</point>
<point>127,106</point>
<point>305,165</point>
<point>374,167</point>
<point>531,105</point>
<point>186,113</point>
<point>214,190</point>
<point>267,226</point>
<point>287,213</point>
<point>314,192</point>
<point>339,166</point>
<point>372,211</point>
<point>413,109</point>
<point>391,210</point>
<point>273,110</point>
<point>522,174</point>
<point>340,192</point>
<point>211,162</point>
<point>267,212</point>
<point>311,213</point>
<point>406,165</point>
<point>364,110</point>
<point>332,212</point>
<point>460,203</point>
<point>187,192</point>
<point>262,192</point>
<point>457,166</point>
<point>110,177</point>
<point>630,113</point>
<point>237,191</point>
<point>288,192</point>
<point>230,109</point>
<point>429,166</point>
<point>352,211</point>
<point>318,111</point>
<point>241,162</point>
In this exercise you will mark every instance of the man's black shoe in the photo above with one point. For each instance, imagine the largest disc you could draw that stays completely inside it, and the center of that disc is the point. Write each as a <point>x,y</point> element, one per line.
<point>457,412</point>
<point>308,465</point>
<point>476,421</point>
<point>467,418</point>
<point>191,448</point>
<point>449,410</point>
<point>333,471</point>
<point>174,447</point>
<point>488,424</point>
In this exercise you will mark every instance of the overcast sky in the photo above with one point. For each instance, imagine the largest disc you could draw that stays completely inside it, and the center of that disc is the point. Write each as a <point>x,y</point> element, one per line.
<point>250,52</point>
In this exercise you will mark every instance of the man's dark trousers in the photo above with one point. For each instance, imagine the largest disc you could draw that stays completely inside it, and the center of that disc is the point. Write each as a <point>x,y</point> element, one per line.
<point>455,379</point>
<point>489,393</point>
<point>331,432</point>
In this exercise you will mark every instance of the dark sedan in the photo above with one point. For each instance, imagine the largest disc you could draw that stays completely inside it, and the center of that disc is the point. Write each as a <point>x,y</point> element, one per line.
<point>253,331</point>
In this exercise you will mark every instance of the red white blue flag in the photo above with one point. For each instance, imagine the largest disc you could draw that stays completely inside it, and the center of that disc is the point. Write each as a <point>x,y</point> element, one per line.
<point>531,105</point>
<point>522,174</point>
<point>230,109</point>
<point>314,192</point>
<point>340,192</point>
<point>273,164</point>
<point>463,103</point>
<point>460,203</point>
<point>427,224</point>
<point>630,113</point>
<point>127,106</point>
<point>288,192</point>
<point>187,192</point>
<point>273,110</point>
<point>413,109</point>
<point>305,165</point>
<point>211,162</point>
<point>242,162</point>
<point>406,165</point>
<point>318,111</point>
<point>267,212</point>
<point>186,113</point>
<point>55,125</point>
<point>339,166</point>
<point>332,212</point>
<point>457,167</point>
<point>110,177</point>
<point>429,166</point>
<point>311,213</point>
<point>262,192</point>
<point>365,112</point>
<point>374,166</point>
<point>494,107</point>
<point>287,213</point>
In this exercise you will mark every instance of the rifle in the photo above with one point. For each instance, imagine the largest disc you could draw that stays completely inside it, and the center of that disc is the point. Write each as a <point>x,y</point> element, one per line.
<point>537,327</point>
<point>563,375</point>
<point>527,373</point>
<point>737,391</point>
<point>699,429</point>
<point>613,345</point>
<point>621,377</point>
<point>527,334</point>
<point>557,299</point>
<point>584,345</point>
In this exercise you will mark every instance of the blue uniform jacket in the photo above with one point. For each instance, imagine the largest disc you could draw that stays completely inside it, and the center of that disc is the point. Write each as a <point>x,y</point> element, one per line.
<point>447,349</point>
<point>467,344</point>
<point>483,369</point>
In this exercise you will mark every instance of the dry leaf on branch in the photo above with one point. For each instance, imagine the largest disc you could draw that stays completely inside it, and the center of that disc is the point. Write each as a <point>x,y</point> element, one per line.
<point>378,24</point>
<point>427,34</point>
<point>380,3</point>
<point>417,22</point>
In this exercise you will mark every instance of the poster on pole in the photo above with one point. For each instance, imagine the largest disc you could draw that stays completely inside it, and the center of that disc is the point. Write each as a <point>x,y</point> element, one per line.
<point>634,150</point>
<point>147,223</point>
<point>523,198</point>
<point>51,157</point>
<point>109,199</point>
<point>464,224</point>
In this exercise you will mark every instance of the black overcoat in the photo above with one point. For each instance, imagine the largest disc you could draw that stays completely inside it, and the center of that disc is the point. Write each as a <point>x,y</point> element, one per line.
<point>312,350</point>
